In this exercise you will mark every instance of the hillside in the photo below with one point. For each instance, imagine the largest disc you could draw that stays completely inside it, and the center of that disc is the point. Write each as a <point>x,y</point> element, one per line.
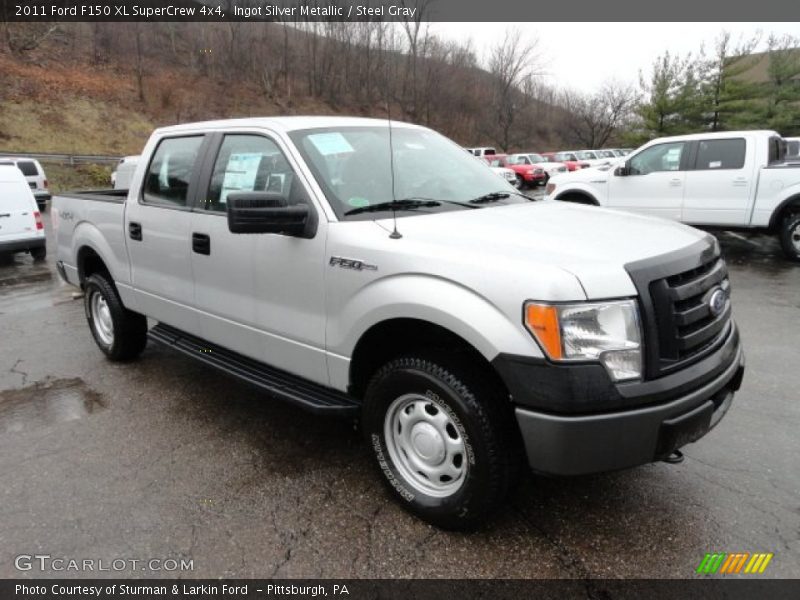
<point>102,88</point>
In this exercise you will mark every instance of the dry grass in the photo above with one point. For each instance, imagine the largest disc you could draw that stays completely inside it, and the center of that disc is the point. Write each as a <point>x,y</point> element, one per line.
<point>62,178</point>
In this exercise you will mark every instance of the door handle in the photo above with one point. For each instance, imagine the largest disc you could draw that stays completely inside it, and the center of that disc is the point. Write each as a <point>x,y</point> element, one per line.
<point>135,231</point>
<point>675,182</point>
<point>740,181</point>
<point>201,243</point>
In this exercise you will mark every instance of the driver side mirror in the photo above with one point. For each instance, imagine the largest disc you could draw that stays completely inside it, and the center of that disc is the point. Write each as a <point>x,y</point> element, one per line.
<point>268,212</point>
<point>622,170</point>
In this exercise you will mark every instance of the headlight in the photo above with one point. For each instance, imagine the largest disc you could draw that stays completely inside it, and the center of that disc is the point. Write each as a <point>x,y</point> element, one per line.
<point>607,332</point>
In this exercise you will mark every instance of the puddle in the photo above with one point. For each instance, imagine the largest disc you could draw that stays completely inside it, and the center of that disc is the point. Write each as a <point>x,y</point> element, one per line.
<point>48,403</point>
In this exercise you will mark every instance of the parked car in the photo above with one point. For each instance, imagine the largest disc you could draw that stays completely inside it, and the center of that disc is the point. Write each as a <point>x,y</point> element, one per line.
<point>526,174</point>
<point>468,328</point>
<point>736,180</point>
<point>482,151</point>
<point>593,157</point>
<point>568,158</point>
<point>551,168</point>
<point>21,226</point>
<point>122,175</point>
<point>34,175</point>
<point>507,174</point>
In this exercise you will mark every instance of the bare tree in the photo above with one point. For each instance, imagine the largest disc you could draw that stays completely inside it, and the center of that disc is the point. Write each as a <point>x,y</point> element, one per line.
<point>595,118</point>
<point>510,63</point>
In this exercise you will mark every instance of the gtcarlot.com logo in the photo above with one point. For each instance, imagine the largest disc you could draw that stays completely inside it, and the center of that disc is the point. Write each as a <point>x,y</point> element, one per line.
<point>46,562</point>
<point>724,563</point>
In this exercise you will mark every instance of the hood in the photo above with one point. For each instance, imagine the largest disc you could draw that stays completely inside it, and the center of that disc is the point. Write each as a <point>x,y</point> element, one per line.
<point>593,174</point>
<point>591,243</point>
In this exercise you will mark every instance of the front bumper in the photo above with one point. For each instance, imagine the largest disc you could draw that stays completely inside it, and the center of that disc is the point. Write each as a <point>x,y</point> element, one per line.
<point>575,444</point>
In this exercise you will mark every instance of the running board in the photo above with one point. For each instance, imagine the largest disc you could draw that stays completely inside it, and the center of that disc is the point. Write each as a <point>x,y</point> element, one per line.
<point>307,394</point>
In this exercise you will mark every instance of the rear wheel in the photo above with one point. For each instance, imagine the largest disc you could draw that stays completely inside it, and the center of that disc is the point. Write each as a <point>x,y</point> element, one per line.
<point>790,236</point>
<point>39,253</point>
<point>120,333</point>
<point>442,438</point>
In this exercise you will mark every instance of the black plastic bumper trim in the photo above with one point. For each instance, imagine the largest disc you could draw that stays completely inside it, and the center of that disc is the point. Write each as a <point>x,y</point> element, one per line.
<point>577,445</point>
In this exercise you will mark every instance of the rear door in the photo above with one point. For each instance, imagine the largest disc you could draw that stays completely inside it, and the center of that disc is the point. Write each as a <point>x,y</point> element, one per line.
<point>654,185</point>
<point>262,295</point>
<point>158,232</point>
<point>17,209</point>
<point>720,182</point>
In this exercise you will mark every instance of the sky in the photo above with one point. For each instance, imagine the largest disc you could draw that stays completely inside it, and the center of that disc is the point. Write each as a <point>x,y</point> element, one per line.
<point>582,56</point>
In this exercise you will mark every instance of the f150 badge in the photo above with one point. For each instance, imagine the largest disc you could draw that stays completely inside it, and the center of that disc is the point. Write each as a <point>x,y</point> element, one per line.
<point>351,263</point>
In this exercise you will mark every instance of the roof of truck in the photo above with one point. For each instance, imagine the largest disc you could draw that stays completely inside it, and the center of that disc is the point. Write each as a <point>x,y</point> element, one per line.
<point>720,134</point>
<point>285,123</point>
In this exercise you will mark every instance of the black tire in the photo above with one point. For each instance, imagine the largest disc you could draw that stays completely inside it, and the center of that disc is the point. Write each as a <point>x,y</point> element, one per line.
<point>520,182</point>
<point>790,236</point>
<point>129,329</point>
<point>39,254</point>
<point>544,181</point>
<point>485,426</point>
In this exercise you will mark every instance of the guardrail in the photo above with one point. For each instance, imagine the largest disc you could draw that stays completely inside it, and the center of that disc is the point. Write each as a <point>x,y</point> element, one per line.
<point>66,159</point>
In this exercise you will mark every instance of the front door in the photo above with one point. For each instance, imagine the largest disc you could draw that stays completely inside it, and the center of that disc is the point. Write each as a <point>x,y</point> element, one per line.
<point>654,183</point>
<point>262,295</point>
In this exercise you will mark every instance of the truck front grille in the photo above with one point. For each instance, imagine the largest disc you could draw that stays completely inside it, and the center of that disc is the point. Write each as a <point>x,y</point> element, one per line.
<point>686,308</point>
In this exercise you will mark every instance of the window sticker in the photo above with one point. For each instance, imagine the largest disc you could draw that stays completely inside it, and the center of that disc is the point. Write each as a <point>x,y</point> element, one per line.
<point>330,143</point>
<point>240,174</point>
<point>715,164</point>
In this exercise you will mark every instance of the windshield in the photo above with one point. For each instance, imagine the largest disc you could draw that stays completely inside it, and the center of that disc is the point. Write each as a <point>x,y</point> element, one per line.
<point>537,158</point>
<point>353,167</point>
<point>585,155</point>
<point>565,156</point>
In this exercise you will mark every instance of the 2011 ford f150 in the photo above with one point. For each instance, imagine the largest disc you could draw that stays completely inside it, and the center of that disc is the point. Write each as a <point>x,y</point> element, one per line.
<point>335,264</point>
<point>736,180</point>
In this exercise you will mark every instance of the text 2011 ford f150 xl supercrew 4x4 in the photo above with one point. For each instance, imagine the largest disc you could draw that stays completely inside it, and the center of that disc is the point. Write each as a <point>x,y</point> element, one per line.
<point>335,264</point>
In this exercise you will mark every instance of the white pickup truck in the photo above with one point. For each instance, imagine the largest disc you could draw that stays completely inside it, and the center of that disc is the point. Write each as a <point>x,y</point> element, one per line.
<point>736,180</point>
<point>333,263</point>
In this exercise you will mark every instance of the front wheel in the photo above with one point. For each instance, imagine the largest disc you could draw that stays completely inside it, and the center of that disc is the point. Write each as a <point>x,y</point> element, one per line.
<point>442,438</point>
<point>790,236</point>
<point>520,182</point>
<point>120,333</point>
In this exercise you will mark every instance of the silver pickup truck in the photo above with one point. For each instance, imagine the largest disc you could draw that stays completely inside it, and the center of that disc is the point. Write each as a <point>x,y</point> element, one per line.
<point>383,274</point>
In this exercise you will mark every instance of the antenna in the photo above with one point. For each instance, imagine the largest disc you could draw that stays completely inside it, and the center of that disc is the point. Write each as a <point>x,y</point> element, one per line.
<point>395,235</point>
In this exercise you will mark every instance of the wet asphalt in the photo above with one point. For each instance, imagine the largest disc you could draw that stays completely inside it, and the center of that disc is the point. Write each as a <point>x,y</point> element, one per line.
<point>163,458</point>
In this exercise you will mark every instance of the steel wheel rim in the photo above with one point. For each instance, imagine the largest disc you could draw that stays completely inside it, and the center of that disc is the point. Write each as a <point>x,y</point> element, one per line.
<point>425,445</point>
<point>795,236</point>
<point>101,318</point>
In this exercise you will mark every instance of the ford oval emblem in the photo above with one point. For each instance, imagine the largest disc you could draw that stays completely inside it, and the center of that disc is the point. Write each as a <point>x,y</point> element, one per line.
<point>716,303</point>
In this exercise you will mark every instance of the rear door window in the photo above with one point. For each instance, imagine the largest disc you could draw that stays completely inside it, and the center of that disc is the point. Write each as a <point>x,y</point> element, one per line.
<point>170,172</point>
<point>720,154</point>
<point>28,168</point>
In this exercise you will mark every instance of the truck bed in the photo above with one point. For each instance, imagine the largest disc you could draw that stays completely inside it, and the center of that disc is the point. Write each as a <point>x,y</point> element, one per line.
<point>105,195</point>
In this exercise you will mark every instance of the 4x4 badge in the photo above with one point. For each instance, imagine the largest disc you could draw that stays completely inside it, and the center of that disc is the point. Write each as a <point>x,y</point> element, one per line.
<point>351,263</point>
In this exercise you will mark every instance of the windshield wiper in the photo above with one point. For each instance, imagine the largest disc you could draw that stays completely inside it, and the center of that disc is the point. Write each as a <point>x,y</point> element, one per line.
<point>406,204</point>
<point>495,196</point>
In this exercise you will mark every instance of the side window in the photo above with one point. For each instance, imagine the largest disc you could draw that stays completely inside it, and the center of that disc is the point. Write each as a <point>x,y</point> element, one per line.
<point>167,180</point>
<point>251,163</point>
<point>663,157</point>
<point>720,154</point>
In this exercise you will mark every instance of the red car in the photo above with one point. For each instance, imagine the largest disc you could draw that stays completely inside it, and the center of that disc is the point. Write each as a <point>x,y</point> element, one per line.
<point>526,174</point>
<point>572,162</point>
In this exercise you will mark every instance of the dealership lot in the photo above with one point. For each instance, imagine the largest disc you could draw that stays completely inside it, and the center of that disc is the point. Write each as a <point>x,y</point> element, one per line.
<point>164,459</point>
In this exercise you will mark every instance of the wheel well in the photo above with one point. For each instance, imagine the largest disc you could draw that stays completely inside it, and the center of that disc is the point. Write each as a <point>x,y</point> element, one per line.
<point>89,263</point>
<point>787,207</point>
<point>578,198</point>
<point>396,337</point>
